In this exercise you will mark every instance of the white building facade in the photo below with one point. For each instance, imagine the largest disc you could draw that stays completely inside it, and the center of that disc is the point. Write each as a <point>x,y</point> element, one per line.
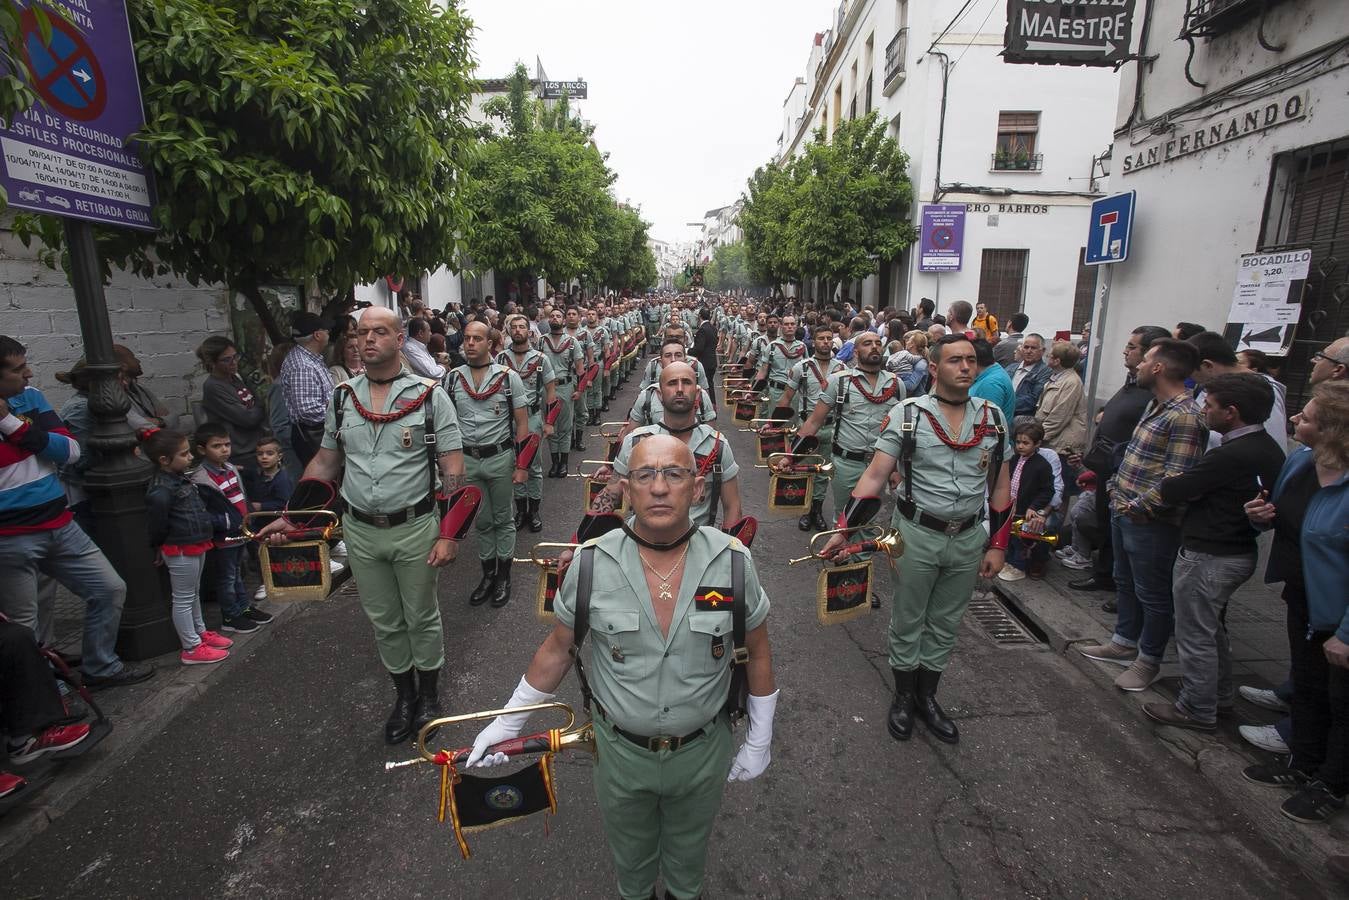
<point>1015,144</point>
<point>1255,160</point>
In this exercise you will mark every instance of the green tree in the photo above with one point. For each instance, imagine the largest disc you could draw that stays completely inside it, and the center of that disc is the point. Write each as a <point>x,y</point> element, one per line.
<point>768,203</point>
<point>622,260</point>
<point>318,141</point>
<point>730,268</point>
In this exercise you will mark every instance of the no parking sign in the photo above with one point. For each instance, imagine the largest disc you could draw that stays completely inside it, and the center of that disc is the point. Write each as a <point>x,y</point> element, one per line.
<point>70,153</point>
<point>942,241</point>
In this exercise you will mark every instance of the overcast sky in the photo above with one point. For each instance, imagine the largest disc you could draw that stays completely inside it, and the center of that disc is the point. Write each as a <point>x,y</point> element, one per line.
<point>686,96</point>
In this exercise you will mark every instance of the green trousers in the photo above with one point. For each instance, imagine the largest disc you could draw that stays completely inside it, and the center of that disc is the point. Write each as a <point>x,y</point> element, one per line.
<point>774,395</point>
<point>595,393</point>
<point>821,487</point>
<point>560,442</point>
<point>533,489</point>
<point>847,473</point>
<point>398,590</point>
<point>495,522</point>
<point>607,383</point>
<point>658,808</point>
<point>933,586</point>
<point>580,410</point>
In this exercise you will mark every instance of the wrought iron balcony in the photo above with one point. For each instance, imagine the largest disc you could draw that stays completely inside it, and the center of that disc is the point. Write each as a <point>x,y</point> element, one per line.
<point>895,53</point>
<point>1017,162</point>
<point>1207,18</point>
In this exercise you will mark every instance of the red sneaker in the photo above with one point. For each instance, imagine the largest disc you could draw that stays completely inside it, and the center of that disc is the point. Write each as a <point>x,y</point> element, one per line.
<point>202,654</point>
<point>9,783</point>
<point>54,739</point>
<point>216,640</point>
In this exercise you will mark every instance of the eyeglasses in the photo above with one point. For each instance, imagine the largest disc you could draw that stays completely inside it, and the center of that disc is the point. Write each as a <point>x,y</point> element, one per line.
<point>1330,359</point>
<point>674,476</point>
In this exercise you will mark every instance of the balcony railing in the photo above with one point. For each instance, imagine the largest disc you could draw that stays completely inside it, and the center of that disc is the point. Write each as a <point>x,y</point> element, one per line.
<point>895,53</point>
<point>1023,162</point>
<point>1208,18</point>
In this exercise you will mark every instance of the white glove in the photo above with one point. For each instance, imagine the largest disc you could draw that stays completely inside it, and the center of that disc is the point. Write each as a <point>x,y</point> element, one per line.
<point>757,751</point>
<point>505,727</point>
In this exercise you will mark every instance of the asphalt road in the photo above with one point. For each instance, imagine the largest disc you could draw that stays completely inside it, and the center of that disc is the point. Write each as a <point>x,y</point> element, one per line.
<point>273,784</point>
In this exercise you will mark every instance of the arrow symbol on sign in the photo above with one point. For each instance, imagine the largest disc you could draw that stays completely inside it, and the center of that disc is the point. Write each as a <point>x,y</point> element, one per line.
<point>1104,49</point>
<point>1266,336</point>
<point>82,75</point>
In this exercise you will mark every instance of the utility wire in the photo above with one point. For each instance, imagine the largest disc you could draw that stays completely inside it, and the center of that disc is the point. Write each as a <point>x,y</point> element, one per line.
<point>949,25</point>
<point>978,31</point>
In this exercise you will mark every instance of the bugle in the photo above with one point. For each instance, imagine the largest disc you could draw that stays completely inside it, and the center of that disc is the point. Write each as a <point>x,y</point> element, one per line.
<point>609,430</point>
<point>861,539</point>
<point>798,464</point>
<point>770,426</point>
<point>1018,531</point>
<point>591,475</point>
<point>327,531</point>
<point>747,396</point>
<point>550,576</point>
<point>296,567</point>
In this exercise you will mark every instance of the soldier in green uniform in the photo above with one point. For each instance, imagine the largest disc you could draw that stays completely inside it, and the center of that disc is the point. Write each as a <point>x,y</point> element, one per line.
<point>805,385</point>
<point>536,374</point>
<point>568,361</point>
<point>660,621</point>
<point>775,365</point>
<point>493,410</point>
<point>673,346</point>
<point>376,442</point>
<point>858,399</point>
<point>580,411</point>
<point>609,369</point>
<point>599,344</point>
<point>948,449</point>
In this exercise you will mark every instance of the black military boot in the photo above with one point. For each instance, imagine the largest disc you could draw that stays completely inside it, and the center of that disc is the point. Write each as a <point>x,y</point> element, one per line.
<point>428,698</point>
<point>486,586</point>
<point>555,471</point>
<point>810,517</point>
<point>818,521</point>
<point>604,407</point>
<point>900,720</point>
<point>576,443</point>
<point>594,418</point>
<point>501,592</point>
<point>399,726</point>
<point>532,516</point>
<point>521,511</point>
<point>564,466</point>
<point>930,711</point>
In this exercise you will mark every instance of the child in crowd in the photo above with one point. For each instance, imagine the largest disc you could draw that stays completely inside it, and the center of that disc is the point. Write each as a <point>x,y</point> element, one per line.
<point>270,487</point>
<point>221,488</point>
<point>180,529</point>
<point>1032,493</point>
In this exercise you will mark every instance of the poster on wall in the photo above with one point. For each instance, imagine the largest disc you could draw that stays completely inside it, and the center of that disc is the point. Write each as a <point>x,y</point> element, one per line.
<point>942,237</point>
<point>1267,300</point>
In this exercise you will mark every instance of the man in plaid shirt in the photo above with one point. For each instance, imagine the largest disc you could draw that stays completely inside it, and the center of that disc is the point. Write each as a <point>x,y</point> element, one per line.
<point>1168,440</point>
<point>306,384</point>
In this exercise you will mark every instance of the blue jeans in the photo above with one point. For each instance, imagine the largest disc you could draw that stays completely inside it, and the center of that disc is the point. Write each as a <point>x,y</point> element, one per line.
<point>227,564</point>
<point>1145,554</point>
<point>68,555</point>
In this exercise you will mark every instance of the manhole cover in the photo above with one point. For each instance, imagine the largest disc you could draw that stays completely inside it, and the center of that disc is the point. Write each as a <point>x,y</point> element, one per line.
<point>995,621</point>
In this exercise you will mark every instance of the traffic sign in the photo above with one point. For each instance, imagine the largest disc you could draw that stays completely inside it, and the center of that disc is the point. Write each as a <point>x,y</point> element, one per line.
<point>1108,232</point>
<point>71,153</point>
<point>1072,34</point>
<point>941,240</point>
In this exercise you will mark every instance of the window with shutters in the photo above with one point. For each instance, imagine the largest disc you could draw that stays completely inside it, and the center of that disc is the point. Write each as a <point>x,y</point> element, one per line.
<point>1084,293</point>
<point>1308,209</point>
<point>1002,281</point>
<point>1018,134</point>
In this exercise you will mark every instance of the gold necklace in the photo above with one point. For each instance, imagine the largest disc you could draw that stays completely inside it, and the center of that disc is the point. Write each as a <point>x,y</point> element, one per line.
<point>665,593</point>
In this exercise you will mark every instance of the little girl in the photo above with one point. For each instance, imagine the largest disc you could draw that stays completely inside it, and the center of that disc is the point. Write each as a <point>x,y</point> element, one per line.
<point>180,528</point>
<point>1032,492</point>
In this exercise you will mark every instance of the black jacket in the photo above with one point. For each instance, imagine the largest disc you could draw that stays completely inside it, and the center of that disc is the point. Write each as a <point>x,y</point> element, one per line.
<point>705,348</point>
<point>1036,486</point>
<point>175,511</point>
<point>1217,489</point>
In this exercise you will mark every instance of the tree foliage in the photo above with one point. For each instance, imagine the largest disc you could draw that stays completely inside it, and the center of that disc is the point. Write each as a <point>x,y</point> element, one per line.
<point>832,212</point>
<point>319,141</point>
<point>730,268</point>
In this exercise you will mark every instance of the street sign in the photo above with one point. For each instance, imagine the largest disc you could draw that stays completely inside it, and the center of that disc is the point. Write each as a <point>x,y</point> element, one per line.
<point>554,90</point>
<point>1073,34</point>
<point>942,237</point>
<point>70,153</point>
<point>1109,229</point>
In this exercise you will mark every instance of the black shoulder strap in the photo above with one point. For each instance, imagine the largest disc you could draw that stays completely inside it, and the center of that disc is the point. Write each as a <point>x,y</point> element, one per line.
<point>429,437</point>
<point>339,407</point>
<point>1001,429</point>
<point>585,567</point>
<point>738,604</point>
<point>908,445</point>
<point>737,698</point>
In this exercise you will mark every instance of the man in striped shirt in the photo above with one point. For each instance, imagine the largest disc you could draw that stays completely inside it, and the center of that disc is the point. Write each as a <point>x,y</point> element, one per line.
<point>307,384</point>
<point>37,533</point>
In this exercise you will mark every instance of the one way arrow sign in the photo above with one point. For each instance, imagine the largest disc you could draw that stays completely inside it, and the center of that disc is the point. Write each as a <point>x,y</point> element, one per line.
<point>1074,34</point>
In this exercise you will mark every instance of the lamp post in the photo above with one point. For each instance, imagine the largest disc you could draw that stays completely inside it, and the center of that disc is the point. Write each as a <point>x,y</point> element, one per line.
<point>1102,164</point>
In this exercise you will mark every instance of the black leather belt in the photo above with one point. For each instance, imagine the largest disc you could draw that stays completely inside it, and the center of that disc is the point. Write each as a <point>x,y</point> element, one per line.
<point>561,381</point>
<point>910,511</point>
<point>390,520</point>
<point>854,455</point>
<point>653,744</point>
<point>486,451</point>
<point>782,385</point>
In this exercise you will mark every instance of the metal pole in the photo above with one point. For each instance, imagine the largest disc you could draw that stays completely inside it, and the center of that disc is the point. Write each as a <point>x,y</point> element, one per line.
<point>1094,347</point>
<point>116,477</point>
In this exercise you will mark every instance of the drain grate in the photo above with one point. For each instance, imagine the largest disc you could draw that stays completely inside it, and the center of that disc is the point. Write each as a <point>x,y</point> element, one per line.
<point>997,622</point>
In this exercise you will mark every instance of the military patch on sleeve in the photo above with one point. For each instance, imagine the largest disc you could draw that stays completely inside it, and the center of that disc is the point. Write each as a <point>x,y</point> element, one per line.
<point>712,599</point>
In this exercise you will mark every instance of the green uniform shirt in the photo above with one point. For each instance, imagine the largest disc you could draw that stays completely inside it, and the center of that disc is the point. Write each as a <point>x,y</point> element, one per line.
<point>947,482</point>
<point>489,420</point>
<point>535,373</point>
<point>649,683</point>
<point>758,346</point>
<point>782,355</point>
<point>702,441</point>
<point>653,368</point>
<point>648,409</point>
<point>386,467</point>
<point>809,378</point>
<point>582,337</point>
<point>857,420</point>
<point>564,352</point>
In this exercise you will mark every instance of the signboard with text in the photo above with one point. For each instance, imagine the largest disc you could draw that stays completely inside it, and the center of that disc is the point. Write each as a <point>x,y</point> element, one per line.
<point>70,154</point>
<point>1267,299</point>
<point>942,237</point>
<point>554,90</point>
<point>1062,33</point>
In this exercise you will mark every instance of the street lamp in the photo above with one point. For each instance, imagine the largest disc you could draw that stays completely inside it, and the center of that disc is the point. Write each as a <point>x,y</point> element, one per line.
<point>1100,163</point>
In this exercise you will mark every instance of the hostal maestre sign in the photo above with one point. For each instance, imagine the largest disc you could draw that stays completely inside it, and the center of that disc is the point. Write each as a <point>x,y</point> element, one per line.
<point>1239,123</point>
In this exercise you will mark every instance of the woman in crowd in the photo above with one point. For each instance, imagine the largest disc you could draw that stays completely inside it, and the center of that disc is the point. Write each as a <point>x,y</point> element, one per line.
<point>1309,511</point>
<point>1063,402</point>
<point>345,358</point>
<point>227,400</point>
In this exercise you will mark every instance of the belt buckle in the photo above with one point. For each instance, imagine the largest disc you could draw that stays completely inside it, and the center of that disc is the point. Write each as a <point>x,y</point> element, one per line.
<point>656,744</point>
<point>380,520</point>
<point>952,528</point>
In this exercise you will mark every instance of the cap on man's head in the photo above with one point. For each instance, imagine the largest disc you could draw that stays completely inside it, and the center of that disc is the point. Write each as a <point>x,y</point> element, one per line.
<point>305,324</point>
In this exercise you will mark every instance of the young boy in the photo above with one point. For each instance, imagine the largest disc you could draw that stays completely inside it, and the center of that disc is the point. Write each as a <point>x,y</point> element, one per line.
<point>222,490</point>
<point>269,487</point>
<point>1032,493</point>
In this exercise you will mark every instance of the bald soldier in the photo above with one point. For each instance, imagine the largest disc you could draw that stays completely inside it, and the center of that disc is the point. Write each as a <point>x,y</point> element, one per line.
<point>661,673</point>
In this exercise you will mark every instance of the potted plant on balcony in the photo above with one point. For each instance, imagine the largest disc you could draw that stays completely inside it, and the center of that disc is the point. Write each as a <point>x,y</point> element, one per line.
<point>1001,159</point>
<point>1022,159</point>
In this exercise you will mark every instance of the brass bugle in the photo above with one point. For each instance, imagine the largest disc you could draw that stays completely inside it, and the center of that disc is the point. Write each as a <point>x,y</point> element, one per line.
<point>609,430</point>
<point>858,532</point>
<point>1017,532</point>
<point>544,562</point>
<point>311,533</point>
<point>597,463</point>
<point>799,463</point>
<point>568,737</point>
<point>748,395</point>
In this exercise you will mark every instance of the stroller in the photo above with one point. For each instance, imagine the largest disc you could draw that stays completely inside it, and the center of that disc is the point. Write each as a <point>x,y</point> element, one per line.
<point>39,773</point>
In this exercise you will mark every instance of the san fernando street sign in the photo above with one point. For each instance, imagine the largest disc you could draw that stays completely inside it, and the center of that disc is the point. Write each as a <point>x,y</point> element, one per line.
<point>1068,32</point>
